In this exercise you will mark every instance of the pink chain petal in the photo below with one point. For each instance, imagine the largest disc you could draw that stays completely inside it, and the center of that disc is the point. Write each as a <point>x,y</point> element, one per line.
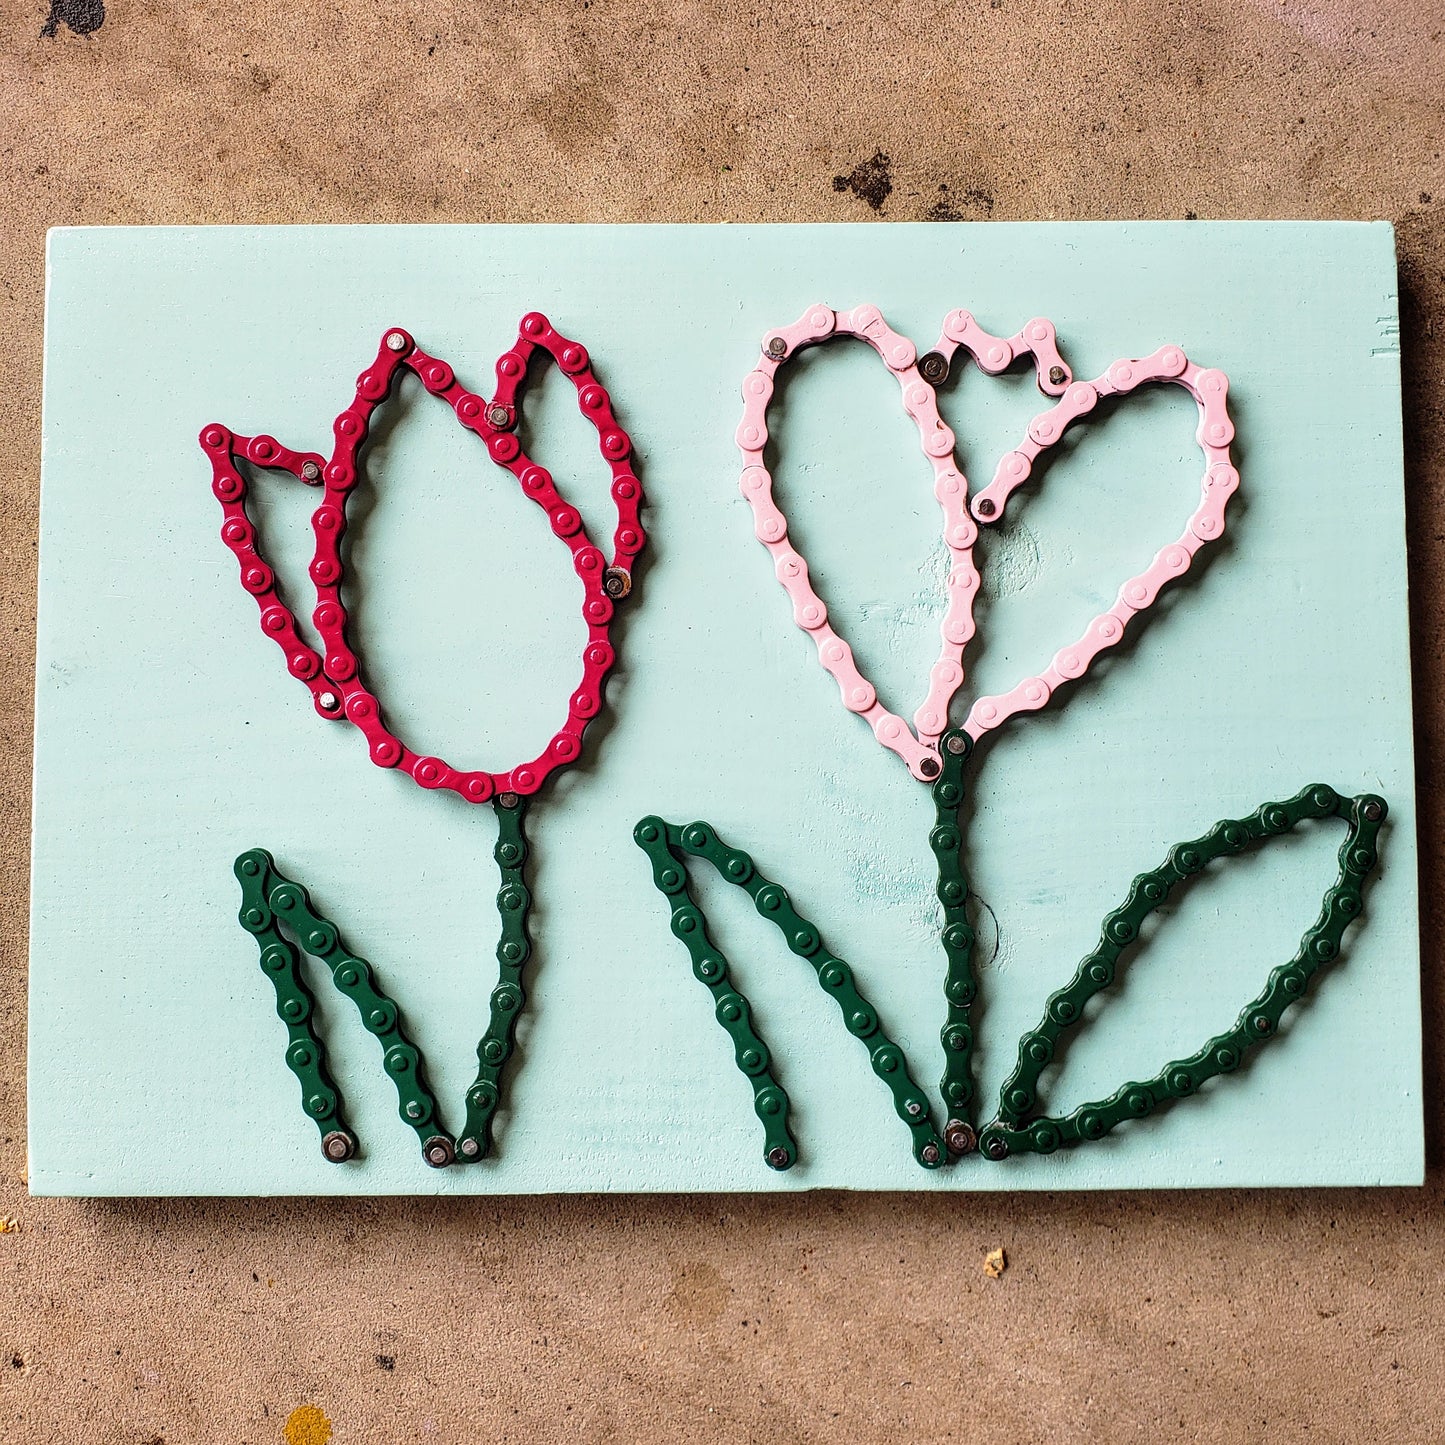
<point>920,750</point>
<point>1077,400</point>
<point>1210,390</point>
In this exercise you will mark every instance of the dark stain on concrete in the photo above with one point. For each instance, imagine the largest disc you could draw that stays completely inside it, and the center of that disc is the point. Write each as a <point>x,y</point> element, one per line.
<point>84,17</point>
<point>960,205</point>
<point>870,180</point>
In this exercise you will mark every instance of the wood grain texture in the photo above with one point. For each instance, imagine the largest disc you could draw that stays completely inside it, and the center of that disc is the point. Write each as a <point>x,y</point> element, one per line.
<point>1304,1316</point>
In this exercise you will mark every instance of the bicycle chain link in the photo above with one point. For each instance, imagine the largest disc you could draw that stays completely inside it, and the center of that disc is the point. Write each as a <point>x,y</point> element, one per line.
<point>664,843</point>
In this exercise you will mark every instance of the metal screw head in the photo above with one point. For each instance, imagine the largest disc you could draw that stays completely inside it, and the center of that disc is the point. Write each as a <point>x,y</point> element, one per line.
<point>413,1110</point>
<point>985,507</point>
<point>929,1154</point>
<point>914,1107</point>
<point>338,1146</point>
<point>438,1151</point>
<point>1262,1024</point>
<point>395,341</point>
<point>779,1158</point>
<point>617,582</point>
<point>310,472</point>
<point>329,701</point>
<point>956,744</point>
<point>933,367</point>
<point>471,1148</point>
<point>996,1148</point>
<point>498,415</point>
<point>1057,375</point>
<point>508,800</point>
<point>960,1137</point>
<point>777,347</point>
<point>1373,811</point>
<point>930,767</point>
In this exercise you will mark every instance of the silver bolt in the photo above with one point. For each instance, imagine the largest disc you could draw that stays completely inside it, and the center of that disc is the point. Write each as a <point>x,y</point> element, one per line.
<point>955,745</point>
<point>929,1154</point>
<point>471,1148</point>
<point>777,346</point>
<point>915,1107</point>
<point>310,472</point>
<point>438,1151</point>
<point>498,415</point>
<point>395,341</point>
<point>329,701</point>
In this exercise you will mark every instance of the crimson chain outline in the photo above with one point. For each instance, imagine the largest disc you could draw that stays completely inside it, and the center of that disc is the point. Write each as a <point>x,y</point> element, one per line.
<point>335,681</point>
<point>917,377</point>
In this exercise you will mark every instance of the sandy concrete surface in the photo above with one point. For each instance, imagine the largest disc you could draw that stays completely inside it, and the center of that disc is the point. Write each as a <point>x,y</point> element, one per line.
<point>1286,1316</point>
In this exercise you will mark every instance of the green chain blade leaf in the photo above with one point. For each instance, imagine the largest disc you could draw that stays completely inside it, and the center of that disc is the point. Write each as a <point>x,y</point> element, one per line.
<point>1014,1131</point>
<point>665,845</point>
<point>268,900</point>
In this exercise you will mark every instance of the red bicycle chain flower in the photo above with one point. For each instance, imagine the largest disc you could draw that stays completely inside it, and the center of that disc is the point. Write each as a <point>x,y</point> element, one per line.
<point>337,686</point>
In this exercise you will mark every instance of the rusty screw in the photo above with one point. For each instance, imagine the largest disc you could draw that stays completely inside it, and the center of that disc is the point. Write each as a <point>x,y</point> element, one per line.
<point>498,415</point>
<point>960,1137</point>
<point>985,507</point>
<point>778,1158</point>
<point>338,1146</point>
<point>616,582</point>
<point>438,1151</point>
<point>933,368</point>
<point>777,347</point>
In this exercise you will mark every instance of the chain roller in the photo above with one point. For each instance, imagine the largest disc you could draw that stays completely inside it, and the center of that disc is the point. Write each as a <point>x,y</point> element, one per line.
<point>1012,1132</point>
<point>335,680</point>
<point>665,844</point>
<point>270,900</point>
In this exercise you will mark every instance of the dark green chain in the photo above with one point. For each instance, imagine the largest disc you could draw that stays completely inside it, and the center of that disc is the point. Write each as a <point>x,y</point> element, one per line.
<point>1012,1132</point>
<point>959,985</point>
<point>664,845</point>
<point>269,899</point>
<point>514,903</point>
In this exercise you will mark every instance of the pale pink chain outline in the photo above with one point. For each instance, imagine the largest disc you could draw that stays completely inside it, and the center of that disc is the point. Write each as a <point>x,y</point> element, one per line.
<point>993,354</point>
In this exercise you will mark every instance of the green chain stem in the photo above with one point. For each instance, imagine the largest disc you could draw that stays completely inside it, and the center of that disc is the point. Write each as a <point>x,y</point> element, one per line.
<point>269,898</point>
<point>1012,1133</point>
<point>664,845</point>
<point>959,986</point>
<point>514,904</point>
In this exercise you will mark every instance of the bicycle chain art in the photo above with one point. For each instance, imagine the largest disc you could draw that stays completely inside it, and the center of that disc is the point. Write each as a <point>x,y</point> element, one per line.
<point>939,755</point>
<point>278,911</point>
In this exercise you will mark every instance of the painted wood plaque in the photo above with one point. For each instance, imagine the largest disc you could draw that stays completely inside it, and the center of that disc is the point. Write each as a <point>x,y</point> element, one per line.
<point>542,854</point>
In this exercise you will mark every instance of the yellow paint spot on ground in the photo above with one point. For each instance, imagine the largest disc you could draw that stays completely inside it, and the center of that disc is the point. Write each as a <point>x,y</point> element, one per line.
<point>995,1262</point>
<point>307,1425</point>
<point>8,1225</point>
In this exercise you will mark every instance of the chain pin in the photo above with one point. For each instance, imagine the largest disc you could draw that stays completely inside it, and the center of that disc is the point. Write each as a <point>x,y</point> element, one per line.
<point>310,472</point>
<point>778,1158</point>
<point>777,347</point>
<point>617,582</point>
<point>933,368</point>
<point>1057,375</point>
<point>329,701</point>
<point>395,341</point>
<point>929,1154</point>
<point>960,1137</point>
<point>498,415</point>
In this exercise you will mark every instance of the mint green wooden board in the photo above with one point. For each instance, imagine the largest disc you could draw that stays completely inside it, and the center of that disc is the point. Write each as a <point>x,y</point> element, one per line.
<point>169,737</point>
